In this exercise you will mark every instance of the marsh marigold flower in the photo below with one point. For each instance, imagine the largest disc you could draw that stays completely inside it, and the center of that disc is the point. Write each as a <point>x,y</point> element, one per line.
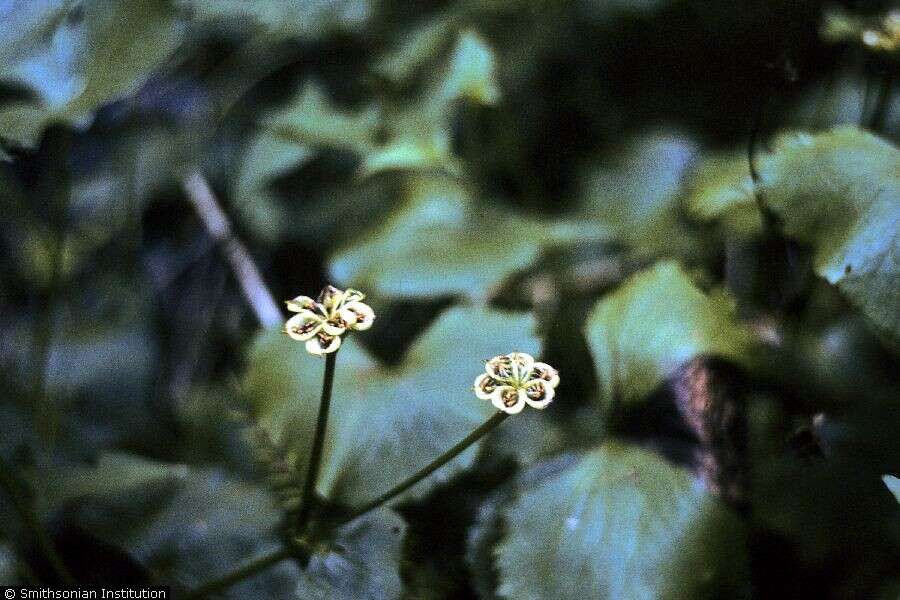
<point>511,381</point>
<point>321,322</point>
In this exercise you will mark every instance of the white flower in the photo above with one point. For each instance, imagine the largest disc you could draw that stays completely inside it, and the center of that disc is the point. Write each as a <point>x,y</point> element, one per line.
<point>511,381</point>
<point>321,322</point>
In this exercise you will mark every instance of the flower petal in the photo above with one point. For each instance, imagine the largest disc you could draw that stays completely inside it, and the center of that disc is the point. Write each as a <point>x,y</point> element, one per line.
<point>499,367</point>
<point>330,298</point>
<point>304,325</point>
<point>485,386</point>
<point>547,373</point>
<point>335,325</point>
<point>508,399</point>
<point>359,316</point>
<point>323,344</point>
<point>538,393</point>
<point>301,303</point>
<point>352,295</point>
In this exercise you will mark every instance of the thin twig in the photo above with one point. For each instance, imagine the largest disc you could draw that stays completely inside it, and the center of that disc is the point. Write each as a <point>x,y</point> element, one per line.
<point>255,291</point>
<point>315,457</point>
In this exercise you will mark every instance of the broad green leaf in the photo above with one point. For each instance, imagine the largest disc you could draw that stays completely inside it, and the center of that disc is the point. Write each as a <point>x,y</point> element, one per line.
<point>415,48</point>
<point>65,57</point>
<point>266,158</point>
<point>621,523</point>
<point>893,484</point>
<point>304,19</point>
<point>385,423</point>
<point>40,48</point>
<point>441,242</point>
<point>310,119</point>
<point>471,73</point>
<point>839,192</point>
<point>655,322</point>
<point>419,136</point>
<point>184,525</point>
<point>635,193</point>
<point>287,139</point>
<point>720,188</point>
<point>189,526</point>
<point>362,561</point>
<point>27,22</point>
<point>139,34</point>
<point>421,150</point>
<point>115,473</point>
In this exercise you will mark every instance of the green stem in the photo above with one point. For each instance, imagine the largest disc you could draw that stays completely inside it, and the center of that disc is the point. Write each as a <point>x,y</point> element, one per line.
<point>251,568</point>
<point>9,482</point>
<point>315,456</point>
<point>439,462</point>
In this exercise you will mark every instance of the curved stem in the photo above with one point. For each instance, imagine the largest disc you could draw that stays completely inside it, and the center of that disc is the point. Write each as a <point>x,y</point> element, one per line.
<point>439,462</point>
<point>251,568</point>
<point>315,456</point>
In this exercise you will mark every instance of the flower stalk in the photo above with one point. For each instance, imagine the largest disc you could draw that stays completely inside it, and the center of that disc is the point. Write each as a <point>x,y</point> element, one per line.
<point>315,455</point>
<point>439,462</point>
<point>250,568</point>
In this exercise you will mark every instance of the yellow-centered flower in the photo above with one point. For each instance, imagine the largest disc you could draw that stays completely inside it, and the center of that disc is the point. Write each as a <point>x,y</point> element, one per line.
<point>511,381</point>
<point>321,322</point>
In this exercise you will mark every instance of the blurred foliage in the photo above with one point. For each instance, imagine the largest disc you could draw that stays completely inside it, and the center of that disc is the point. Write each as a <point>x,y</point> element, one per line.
<point>691,209</point>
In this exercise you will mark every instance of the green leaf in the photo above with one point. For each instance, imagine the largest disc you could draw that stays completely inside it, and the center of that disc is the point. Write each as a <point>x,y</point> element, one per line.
<point>471,73</point>
<point>63,56</point>
<point>266,158</point>
<point>839,192</point>
<point>417,149</point>
<point>385,423</point>
<point>363,561</point>
<point>311,119</point>
<point>184,525</point>
<point>893,484</point>
<point>415,48</point>
<point>27,22</point>
<point>40,48</point>
<point>720,188</point>
<point>440,242</point>
<point>189,526</point>
<point>655,322</point>
<point>620,523</point>
<point>419,137</point>
<point>115,473</point>
<point>289,138</point>
<point>304,19</point>
<point>635,194</point>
